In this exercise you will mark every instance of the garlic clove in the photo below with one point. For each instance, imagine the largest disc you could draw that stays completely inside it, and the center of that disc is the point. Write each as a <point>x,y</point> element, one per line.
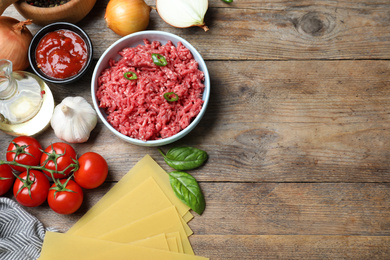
<point>73,120</point>
<point>183,13</point>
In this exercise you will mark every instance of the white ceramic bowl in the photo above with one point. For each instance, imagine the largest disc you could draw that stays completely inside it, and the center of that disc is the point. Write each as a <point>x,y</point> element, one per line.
<point>134,40</point>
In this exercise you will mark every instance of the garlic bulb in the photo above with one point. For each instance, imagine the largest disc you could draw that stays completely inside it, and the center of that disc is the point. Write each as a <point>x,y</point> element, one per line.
<point>73,120</point>
<point>183,13</point>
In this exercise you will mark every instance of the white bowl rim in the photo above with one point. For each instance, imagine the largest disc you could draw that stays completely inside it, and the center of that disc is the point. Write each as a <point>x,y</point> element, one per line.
<point>182,133</point>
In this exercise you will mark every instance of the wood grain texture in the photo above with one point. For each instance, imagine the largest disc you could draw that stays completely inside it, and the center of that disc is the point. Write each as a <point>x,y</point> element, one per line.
<point>273,208</point>
<point>279,221</point>
<point>291,247</point>
<point>294,209</point>
<point>297,129</point>
<point>323,121</point>
<point>269,30</point>
<point>276,121</point>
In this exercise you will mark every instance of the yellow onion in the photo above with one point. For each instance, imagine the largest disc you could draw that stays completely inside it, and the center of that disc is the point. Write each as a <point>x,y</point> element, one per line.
<point>183,13</point>
<point>127,16</point>
<point>15,39</point>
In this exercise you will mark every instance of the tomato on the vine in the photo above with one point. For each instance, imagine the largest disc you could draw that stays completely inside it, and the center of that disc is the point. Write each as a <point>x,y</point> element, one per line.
<point>31,191</point>
<point>58,156</point>
<point>24,150</point>
<point>92,171</point>
<point>66,199</point>
<point>6,178</point>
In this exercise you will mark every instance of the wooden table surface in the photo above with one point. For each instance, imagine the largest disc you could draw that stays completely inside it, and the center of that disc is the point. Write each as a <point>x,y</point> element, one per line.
<point>297,129</point>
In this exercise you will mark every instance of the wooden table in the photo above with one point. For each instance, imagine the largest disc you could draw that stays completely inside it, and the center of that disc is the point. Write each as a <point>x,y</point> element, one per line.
<point>297,129</point>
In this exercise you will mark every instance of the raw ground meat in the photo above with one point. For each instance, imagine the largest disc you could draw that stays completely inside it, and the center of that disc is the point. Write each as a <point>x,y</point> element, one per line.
<point>137,108</point>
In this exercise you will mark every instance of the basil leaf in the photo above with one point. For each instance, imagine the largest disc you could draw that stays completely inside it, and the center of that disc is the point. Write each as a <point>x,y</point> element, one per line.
<point>187,190</point>
<point>185,158</point>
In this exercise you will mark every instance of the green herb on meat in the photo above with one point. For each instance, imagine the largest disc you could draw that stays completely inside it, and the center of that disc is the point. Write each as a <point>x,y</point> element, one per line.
<point>159,60</point>
<point>130,75</point>
<point>171,96</point>
<point>185,158</point>
<point>187,190</point>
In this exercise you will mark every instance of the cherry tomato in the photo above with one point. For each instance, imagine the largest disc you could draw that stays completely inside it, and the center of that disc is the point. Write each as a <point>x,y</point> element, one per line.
<point>37,183</point>
<point>65,201</point>
<point>6,178</point>
<point>63,154</point>
<point>25,150</point>
<point>92,172</point>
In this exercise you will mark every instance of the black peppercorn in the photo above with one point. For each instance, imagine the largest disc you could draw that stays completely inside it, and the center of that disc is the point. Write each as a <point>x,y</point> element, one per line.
<point>46,3</point>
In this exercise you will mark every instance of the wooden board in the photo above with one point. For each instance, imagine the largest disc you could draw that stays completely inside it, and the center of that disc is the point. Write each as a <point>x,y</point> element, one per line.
<point>297,129</point>
<point>292,247</point>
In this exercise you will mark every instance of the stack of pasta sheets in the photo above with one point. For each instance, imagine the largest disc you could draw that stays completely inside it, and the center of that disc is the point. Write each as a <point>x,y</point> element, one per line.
<point>139,218</point>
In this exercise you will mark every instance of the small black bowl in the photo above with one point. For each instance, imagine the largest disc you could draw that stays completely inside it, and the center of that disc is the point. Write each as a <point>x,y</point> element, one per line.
<point>54,27</point>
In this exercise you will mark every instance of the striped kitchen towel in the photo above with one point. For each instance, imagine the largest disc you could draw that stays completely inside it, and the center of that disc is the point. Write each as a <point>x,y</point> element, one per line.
<point>21,234</point>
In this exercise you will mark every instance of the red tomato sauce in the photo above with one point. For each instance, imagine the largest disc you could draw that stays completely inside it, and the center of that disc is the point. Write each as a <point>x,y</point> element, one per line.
<point>61,54</point>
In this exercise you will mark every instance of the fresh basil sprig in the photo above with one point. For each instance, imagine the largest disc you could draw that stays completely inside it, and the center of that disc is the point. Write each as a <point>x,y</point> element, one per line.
<point>187,190</point>
<point>185,187</point>
<point>185,158</point>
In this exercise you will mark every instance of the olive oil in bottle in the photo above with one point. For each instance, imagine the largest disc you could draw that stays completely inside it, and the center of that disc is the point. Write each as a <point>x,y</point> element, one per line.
<point>26,102</point>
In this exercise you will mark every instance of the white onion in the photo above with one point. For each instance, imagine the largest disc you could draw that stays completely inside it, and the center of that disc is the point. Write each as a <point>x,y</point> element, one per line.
<point>183,13</point>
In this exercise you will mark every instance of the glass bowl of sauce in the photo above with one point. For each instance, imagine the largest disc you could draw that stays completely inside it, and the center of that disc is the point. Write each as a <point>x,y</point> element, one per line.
<point>60,53</point>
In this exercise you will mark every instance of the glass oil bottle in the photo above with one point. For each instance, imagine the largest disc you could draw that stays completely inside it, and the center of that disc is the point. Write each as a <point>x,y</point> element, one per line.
<point>26,102</point>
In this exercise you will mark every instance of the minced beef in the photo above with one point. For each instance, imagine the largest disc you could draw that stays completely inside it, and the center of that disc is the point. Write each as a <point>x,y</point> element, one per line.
<point>137,108</point>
